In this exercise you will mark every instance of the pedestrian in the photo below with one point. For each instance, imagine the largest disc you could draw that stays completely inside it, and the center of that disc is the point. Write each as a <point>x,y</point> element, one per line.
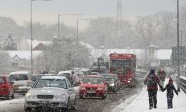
<point>152,82</point>
<point>161,76</point>
<point>170,92</point>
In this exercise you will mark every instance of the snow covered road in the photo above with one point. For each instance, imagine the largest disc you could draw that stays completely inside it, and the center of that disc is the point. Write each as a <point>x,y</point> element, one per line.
<point>139,103</point>
<point>17,104</point>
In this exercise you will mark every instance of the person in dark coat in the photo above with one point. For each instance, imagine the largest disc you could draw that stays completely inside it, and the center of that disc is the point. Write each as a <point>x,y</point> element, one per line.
<point>152,82</point>
<point>161,75</point>
<point>170,92</point>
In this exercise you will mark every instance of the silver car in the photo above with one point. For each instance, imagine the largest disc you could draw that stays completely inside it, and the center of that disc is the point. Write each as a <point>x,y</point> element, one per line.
<point>22,81</point>
<point>50,93</point>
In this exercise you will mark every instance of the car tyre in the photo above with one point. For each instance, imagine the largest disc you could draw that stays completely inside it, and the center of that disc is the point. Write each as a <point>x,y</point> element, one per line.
<point>73,107</point>
<point>28,110</point>
<point>8,97</point>
<point>68,106</point>
<point>104,96</point>
<point>81,97</point>
<point>13,96</point>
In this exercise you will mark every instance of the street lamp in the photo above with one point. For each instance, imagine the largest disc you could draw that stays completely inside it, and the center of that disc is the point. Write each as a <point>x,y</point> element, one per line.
<point>78,29</point>
<point>59,15</point>
<point>31,32</point>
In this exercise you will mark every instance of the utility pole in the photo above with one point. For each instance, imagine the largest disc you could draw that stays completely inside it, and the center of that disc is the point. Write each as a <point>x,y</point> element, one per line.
<point>77,31</point>
<point>58,26</point>
<point>178,48</point>
<point>119,21</point>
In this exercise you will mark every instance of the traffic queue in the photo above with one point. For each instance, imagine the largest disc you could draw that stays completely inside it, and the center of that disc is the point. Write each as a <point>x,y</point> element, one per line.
<point>56,91</point>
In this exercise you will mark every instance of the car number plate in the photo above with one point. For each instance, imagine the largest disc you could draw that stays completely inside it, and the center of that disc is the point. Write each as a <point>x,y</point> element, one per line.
<point>91,91</point>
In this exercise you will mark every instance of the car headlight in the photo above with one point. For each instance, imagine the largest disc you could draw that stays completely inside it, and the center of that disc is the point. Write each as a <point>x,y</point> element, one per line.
<point>60,97</point>
<point>30,96</point>
<point>111,84</point>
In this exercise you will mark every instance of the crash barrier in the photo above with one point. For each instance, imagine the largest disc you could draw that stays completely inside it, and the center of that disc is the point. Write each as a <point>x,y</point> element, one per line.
<point>183,84</point>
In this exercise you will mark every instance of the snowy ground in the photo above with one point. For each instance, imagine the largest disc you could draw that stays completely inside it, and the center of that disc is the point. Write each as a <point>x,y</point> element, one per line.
<point>139,103</point>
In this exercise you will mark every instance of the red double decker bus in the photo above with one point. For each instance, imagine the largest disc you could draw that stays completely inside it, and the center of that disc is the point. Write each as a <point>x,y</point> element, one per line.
<point>124,65</point>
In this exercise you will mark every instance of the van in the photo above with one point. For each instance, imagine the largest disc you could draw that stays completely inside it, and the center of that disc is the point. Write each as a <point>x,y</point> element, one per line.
<point>22,81</point>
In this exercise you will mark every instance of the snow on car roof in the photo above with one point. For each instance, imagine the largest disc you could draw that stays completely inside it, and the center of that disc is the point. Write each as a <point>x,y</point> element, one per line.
<point>93,76</point>
<point>108,74</point>
<point>44,74</point>
<point>53,77</point>
<point>67,71</point>
<point>19,72</point>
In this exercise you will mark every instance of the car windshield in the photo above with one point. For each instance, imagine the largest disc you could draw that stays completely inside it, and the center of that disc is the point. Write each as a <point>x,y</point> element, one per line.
<point>92,80</point>
<point>58,83</point>
<point>109,78</point>
<point>65,74</point>
<point>2,80</point>
<point>18,77</point>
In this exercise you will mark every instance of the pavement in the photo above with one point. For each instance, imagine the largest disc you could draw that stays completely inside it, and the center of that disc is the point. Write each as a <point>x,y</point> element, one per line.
<point>140,102</point>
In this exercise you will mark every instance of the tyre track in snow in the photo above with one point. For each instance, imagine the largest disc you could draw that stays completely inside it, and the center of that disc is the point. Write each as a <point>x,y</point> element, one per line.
<point>112,100</point>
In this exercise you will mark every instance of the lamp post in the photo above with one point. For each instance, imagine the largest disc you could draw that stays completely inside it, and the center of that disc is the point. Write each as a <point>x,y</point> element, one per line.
<point>59,15</point>
<point>78,29</point>
<point>31,32</point>
<point>178,48</point>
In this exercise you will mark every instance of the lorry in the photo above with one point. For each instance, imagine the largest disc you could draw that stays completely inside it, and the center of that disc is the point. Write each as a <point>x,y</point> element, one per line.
<point>124,65</point>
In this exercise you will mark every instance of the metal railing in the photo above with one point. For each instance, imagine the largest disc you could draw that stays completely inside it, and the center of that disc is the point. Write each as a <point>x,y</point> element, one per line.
<point>183,83</point>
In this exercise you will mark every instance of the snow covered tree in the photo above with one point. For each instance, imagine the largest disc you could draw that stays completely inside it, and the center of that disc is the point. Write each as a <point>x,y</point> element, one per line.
<point>4,62</point>
<point>63,55</point>
<point>9,43</point>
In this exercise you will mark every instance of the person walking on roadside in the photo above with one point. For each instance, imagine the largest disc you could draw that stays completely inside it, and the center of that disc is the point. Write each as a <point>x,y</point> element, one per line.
<point>152,82</point>
<point>161,76</point>
<point>170,92</point>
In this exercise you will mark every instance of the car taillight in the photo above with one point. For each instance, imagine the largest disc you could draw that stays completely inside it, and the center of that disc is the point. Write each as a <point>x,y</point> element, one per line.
<point>100,88</point>
<point>82,88</point>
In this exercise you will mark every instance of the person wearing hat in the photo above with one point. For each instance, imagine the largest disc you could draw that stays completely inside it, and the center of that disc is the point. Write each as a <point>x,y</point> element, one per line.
<point>152,82</point>
<point>170,92</point>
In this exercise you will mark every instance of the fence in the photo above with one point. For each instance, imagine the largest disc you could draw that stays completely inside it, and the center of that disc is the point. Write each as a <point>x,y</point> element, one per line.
<point>183,83</point>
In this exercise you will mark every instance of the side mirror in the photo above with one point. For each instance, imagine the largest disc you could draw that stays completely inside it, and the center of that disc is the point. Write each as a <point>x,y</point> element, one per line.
<point>78,83</point>
<point>105,82</point>
<point>11,83</point>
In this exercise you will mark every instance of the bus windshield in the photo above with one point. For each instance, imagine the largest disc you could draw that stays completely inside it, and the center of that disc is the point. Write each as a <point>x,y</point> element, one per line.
<point>120,66</point>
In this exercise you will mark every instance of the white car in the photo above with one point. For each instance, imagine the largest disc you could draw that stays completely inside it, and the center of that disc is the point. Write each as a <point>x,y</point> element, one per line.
<point>51,93</point>
<point>22,81</point>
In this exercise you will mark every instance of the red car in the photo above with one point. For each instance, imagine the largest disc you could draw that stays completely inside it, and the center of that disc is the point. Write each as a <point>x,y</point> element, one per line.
<point>93,86</point>
<point>6,88</point>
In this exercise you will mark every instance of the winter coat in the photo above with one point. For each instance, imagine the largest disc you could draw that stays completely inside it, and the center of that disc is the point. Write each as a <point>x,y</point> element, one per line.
<point>170,89</point>
<point>161,75</point>
<point>152,87</point>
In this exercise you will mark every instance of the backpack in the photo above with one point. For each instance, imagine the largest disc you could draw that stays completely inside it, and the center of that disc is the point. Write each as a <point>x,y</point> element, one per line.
<point>151,81</point>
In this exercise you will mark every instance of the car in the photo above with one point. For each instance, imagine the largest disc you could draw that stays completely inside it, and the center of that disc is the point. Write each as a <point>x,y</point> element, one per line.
<point>6,88</point>
<point>94,73</point>
<point>69,74</point>
<point>22,81</point>
<point>112,81</point>
<point>79,77</point>
<point>93,86</point>
<point>38,76</point>
<point>51,93</point>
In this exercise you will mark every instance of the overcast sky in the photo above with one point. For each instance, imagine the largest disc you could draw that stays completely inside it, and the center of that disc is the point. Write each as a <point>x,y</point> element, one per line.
<point>47,11</point>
